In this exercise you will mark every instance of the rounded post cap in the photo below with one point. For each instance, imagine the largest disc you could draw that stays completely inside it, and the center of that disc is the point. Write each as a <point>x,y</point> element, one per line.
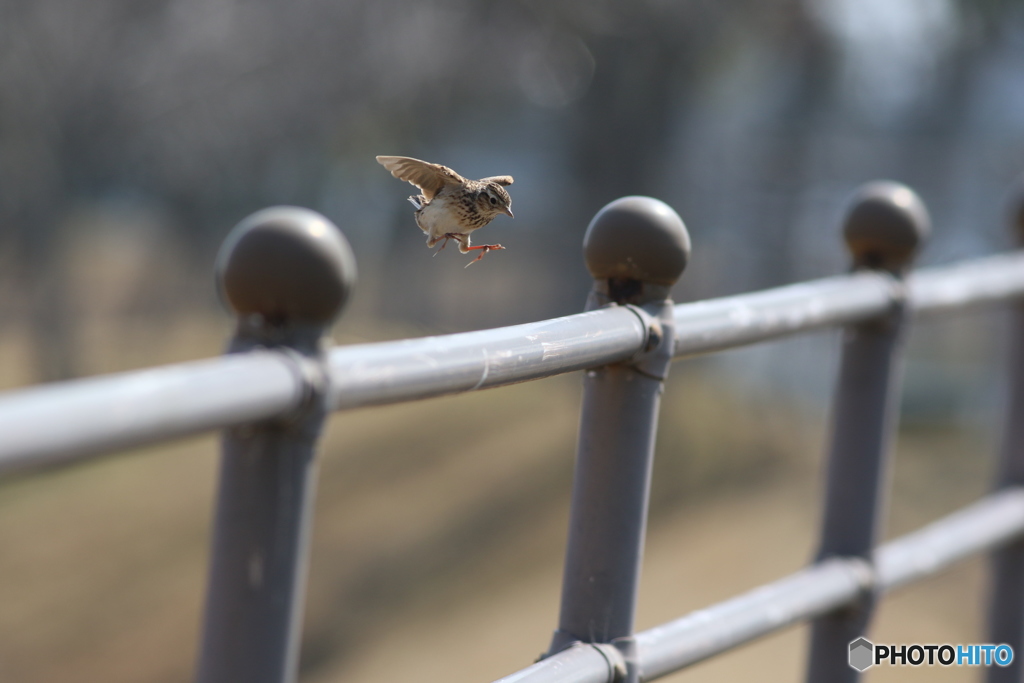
<point>288,265</point>
<point>637,238</point>
<point>885,225</point>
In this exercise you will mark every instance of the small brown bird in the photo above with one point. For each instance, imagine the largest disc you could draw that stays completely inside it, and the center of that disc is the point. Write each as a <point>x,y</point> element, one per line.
<point>451,207</point>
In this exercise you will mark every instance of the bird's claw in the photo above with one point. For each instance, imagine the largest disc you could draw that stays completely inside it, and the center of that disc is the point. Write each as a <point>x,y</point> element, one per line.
<point>484,248</point>
<point>448,236</point>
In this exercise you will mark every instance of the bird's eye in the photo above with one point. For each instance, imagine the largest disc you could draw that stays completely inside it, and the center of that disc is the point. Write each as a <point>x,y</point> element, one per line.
<point>494,202</point>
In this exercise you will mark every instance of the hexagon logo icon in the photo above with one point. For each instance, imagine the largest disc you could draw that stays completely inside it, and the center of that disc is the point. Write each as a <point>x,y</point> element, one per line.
<point>862,654</point>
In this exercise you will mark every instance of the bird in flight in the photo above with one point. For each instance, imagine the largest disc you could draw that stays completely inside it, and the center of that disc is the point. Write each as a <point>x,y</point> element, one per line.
<point>452,207</point>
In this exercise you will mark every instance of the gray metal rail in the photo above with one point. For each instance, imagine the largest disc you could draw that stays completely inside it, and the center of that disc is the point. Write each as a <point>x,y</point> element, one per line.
<point>287,273</point>
<point>809,593</point>
<point>99,415</point>
<point>119,411</point>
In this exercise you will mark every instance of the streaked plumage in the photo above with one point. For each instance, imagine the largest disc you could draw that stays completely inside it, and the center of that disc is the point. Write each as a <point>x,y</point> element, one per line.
<point>450,206</point>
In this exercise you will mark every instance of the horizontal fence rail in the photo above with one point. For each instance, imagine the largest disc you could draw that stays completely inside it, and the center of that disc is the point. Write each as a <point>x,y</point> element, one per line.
<point>287,273</point>
<point>374,374</point>
<point>811,592</point>
<point>92,416</point>
<point>121,411</point>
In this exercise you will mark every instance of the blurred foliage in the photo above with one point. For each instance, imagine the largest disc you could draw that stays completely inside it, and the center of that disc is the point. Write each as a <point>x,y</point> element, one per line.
<point>164,122</point>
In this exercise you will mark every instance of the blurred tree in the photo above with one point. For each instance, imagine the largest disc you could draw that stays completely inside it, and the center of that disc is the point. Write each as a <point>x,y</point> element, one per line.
<point>207,109</point>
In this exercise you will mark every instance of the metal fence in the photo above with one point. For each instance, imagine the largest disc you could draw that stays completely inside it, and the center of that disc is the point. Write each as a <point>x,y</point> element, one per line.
<point>287,272</point>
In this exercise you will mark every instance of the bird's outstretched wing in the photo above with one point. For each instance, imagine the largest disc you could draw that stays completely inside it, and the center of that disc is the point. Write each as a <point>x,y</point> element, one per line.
<point>500,179</point>
<point>430,178</point>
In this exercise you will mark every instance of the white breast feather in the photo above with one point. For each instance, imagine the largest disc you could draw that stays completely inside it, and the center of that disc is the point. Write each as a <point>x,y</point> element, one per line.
<point>436,218</point>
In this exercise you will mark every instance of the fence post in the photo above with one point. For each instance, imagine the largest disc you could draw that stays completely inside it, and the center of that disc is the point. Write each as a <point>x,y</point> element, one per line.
<point>635,248</point>
<point>286,272</point>
<point>1006,600</point>
<point>883,229</point>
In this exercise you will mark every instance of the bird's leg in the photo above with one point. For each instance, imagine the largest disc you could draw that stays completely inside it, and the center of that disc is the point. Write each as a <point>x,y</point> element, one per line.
<point>449,236</point>
<point>484,248</point>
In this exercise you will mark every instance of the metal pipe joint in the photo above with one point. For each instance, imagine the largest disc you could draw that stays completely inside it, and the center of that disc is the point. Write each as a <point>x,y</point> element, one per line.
<point>636,248</point>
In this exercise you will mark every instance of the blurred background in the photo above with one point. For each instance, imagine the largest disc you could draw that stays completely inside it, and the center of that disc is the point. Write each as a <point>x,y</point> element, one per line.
<point>135,134</point>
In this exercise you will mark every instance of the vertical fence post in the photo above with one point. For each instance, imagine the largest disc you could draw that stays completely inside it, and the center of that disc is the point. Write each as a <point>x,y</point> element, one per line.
<point>286,272</point>
<point>635,248</point>
<point>883,229</point>
<point>1006,599</point>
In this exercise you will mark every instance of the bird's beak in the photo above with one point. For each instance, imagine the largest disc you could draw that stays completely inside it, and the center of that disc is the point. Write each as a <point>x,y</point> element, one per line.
<point>509,212</point>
